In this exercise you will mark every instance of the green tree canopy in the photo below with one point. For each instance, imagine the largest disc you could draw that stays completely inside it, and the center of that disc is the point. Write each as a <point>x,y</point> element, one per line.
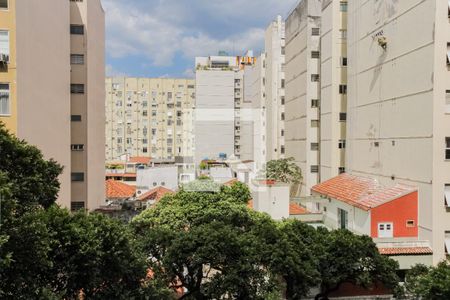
<point>429,282</point>
<point>283,170</point>
<point>32,179</point>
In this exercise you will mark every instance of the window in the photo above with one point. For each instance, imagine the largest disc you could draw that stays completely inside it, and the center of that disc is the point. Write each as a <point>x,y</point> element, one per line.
<point>282,83</point>
<point>314,103</point>
<point>163,183</point>
<point>447,195</point>
<point>447,148</point>
<point>77,59</point>
<point>341,170</point>
<point>76,29</point>
<point>129,141</point>
<point>144,150</point>
<point>343,34</point>
<point>4,99</point>
<point>315,77</point>
<point>76,205</point>
<point>76,88</point>
<point>342,89</point>
<point>342,117</point>
<point>3,4</point>
<point>314,123</point>
<point>343,61</point>
<point>385,230</point>
<point>341,144</point>
<point>314,146</point>
<point>343,6</point>
<point>314,169</point>
<point>447,101</point>
<point>282,116</point>
<point>77,176</point>
<point>119,140</point>
<point>144,113</point>
<point>283,150</point>
<point>342,218</point>
<point>4,46</point>
<point>77,147</point>
<point>410,223</point>
<point>145,141</point>
<point>448,54</point>
<point>282,132</point>
<point>315,31</point>
<point>75,118</point>
<point>283,100</point>
<point>315,54</point>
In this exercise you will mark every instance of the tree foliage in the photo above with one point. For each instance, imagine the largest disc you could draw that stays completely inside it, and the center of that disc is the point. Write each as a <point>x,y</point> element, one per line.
<point>429,282</point>
<point>283,170</point>
<point>32,179</point>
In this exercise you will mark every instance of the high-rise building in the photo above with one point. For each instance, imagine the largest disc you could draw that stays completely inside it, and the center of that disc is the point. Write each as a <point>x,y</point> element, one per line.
<point>51,86</point>
<point>274,88</point>
<point>219,97</point>
<point>398,128</point>
<point>302,85</point>
<point>150,117</point>
<point>332,102</point>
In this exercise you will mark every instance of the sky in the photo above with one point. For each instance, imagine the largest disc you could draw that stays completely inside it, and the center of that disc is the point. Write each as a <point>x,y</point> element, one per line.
<point>161,38</point>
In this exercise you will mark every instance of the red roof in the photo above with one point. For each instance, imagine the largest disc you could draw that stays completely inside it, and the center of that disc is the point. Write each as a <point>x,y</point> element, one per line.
<point>140,160</point>
<point>405,251</point>
<point>361,192</point>
<point>128,175</point>
<point>295,209</point>
<point>155,194</point>
<point>118,189</point>
<point>231,182</point>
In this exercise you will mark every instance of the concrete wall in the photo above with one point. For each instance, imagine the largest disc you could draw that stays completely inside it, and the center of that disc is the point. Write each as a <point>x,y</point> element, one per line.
<point>273,200</point>
<point>151,178</point>
<point>396,102</point>
<point>300,89</point>
<point>214,114</point>
<point>43,82</point>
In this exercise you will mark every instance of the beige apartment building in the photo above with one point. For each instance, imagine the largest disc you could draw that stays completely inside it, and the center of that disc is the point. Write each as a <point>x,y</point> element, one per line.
<point>150,117</point>
<point>274,88</point>
<point>333,87</point>
<point>302,85</point>
<point>51,85</point>
<point>398,108</point>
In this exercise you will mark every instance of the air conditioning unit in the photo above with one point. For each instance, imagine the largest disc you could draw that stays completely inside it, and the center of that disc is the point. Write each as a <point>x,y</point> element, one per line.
<point>4,58</point>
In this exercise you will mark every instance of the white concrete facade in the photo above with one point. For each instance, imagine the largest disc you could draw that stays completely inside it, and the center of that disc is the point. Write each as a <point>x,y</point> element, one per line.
<point>274,88</point>
<point>150,178</point>
<point>271,199</point>
<point>302,89</point>
<point>333,78</point>
<point>398,123</point>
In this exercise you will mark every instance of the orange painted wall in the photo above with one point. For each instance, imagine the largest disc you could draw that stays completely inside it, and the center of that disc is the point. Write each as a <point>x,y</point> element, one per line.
<point>398,212</point>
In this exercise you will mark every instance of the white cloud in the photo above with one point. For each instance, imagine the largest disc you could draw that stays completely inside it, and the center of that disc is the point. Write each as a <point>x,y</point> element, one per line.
<point>112,72</point>
<point>160,30</point>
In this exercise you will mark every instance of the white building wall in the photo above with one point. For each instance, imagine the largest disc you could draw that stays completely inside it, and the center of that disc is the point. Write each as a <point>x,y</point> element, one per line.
<point>396,102</point>
<point>274,89</point>
<point>273,200</point>
<point>300,132</point>
<point>150,178</point>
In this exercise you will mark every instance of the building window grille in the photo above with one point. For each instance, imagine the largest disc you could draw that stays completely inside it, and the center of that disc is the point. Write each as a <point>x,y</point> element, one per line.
<point>314,103</point>
<point>77,147</point>
<point>314,123</point>
<point>315,77</point>
<point>315,54</point>
<point>343,6</point>
<point>314,146</point>
<point>447,148</point>
<point>76,88</point>
<point>342,89</point>
<point>342,117</point>
<point>77,205</point>
<point>341,144</point>
<point>77,176</point>
<point>4,46</point>
<point>77,59</point>
<point>4,99</point>
<point>76,29</point>
<point>314,169</point>
<point>343,61</point>
<point>341,170</point>
<point>315,31</point>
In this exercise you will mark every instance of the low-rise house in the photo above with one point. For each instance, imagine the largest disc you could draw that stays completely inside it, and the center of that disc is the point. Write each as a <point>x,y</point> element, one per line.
<point>387,214</point>
<point>117,191</point>
<point>151,197</point>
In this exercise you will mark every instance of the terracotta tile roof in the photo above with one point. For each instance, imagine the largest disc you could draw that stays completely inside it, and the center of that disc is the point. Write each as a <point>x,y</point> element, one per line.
<point>361,192</point>
<point>140,160</point>
<point>118,189</point>
<point>128,175</point>
<point>406,251</point>
<point>295,209</point>
<point>230,182</point>
<point>155,194</point>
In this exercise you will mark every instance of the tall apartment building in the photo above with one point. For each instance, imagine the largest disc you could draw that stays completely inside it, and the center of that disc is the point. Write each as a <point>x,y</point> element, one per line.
<point>51,83</point>
<point>274,88</point>
<point>219,97</point>
<point>333,84</point>
<point>255,96</point>
<point>398,107</point>
<point>303,90</point>
<point>149,117</point>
